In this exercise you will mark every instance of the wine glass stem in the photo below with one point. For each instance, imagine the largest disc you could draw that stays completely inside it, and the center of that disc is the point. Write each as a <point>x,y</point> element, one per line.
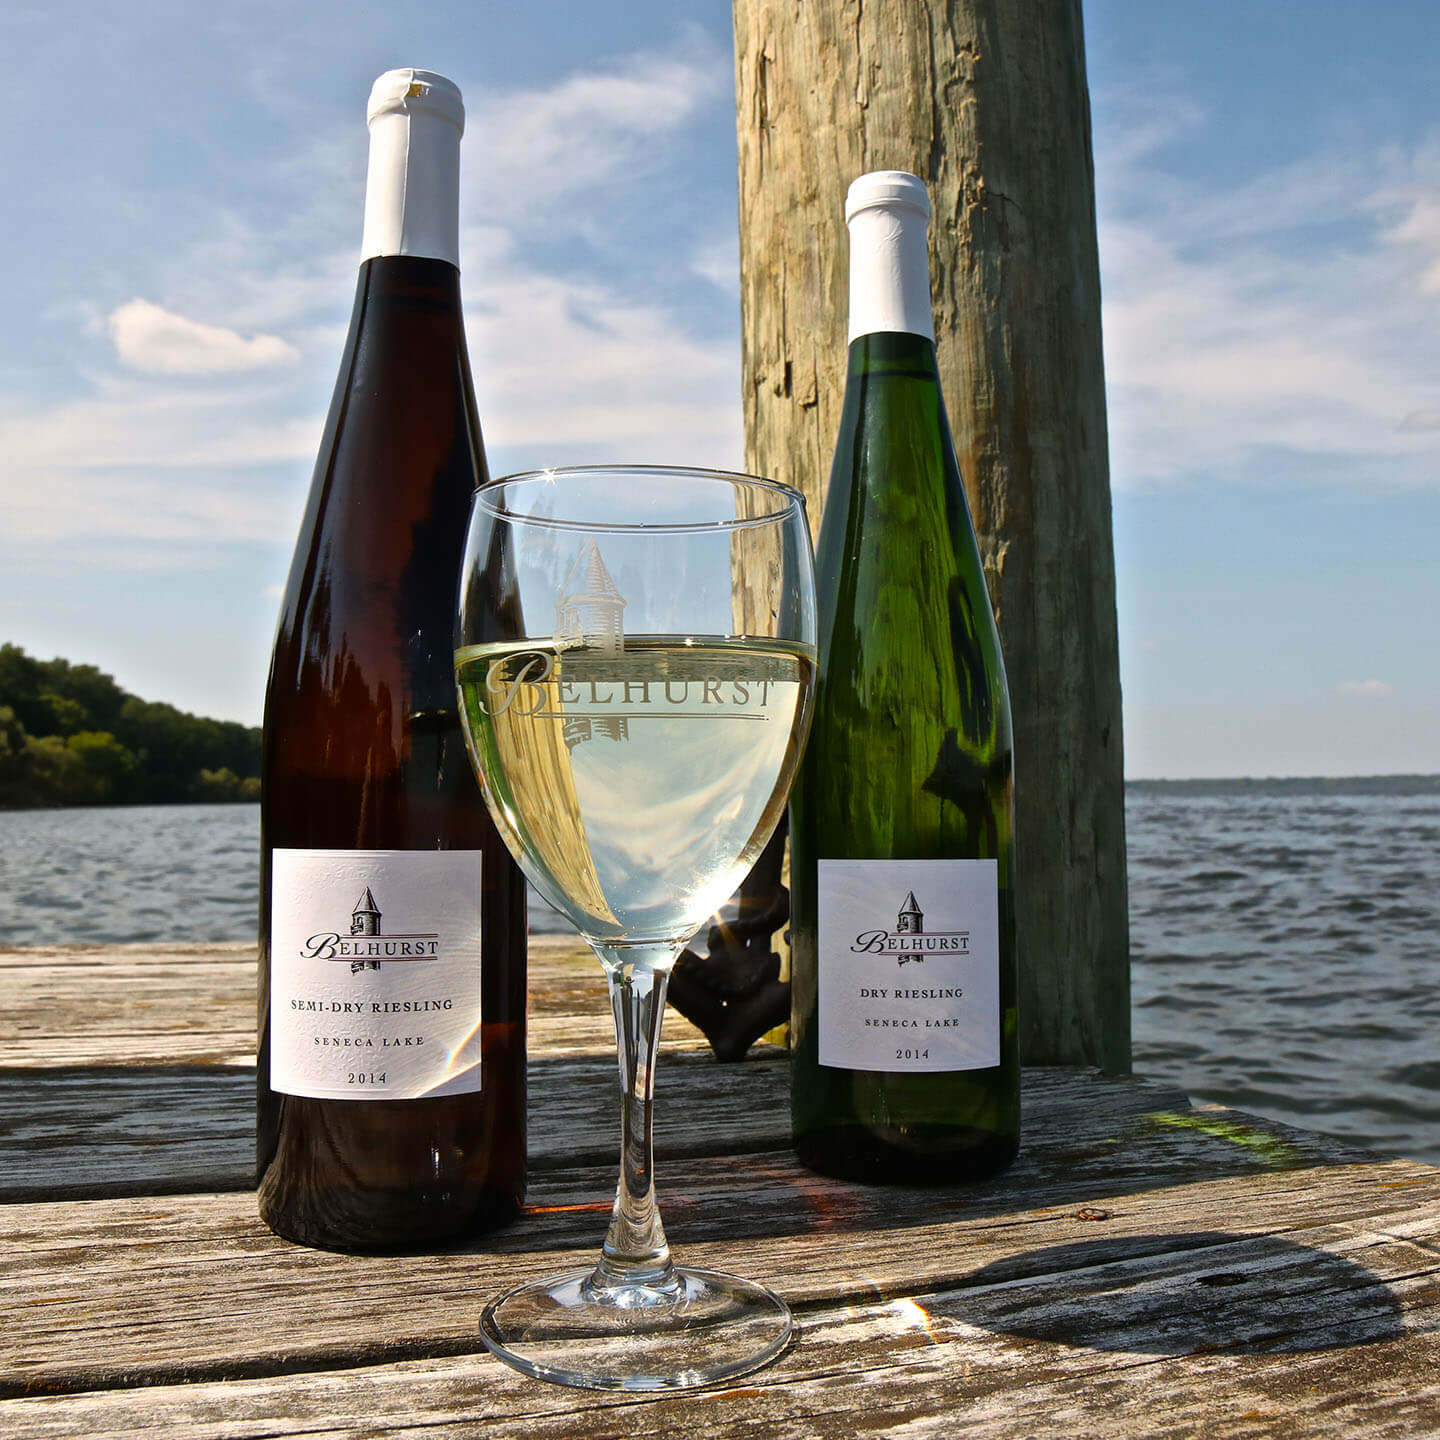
<point>636,1256</point>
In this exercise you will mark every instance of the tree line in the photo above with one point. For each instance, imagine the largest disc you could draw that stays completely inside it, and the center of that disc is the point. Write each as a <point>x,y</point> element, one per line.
<point>69,735</point>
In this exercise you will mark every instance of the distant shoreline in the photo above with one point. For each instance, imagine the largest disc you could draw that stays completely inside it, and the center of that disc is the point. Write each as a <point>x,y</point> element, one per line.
<point>1314,785</point>
<point>1294,785</point>
<point>54,807</point>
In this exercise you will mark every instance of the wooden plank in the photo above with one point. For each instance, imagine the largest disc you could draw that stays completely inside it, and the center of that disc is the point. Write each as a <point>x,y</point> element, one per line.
<point>75,1134</point>
<point>126,1130</point>
<point>123,1072</point>
<point>124,1100</point>
<point>194,1005</point>
<point>1101,1285</point>
<point>1386,1391</point>
<point>70,1134</point>
<point>154,1289</point>
<point>1332,1332</point>
<point>128,1005</point>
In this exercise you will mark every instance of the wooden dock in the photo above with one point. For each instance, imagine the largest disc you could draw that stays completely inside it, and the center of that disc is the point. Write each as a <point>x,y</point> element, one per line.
<point>1146,1269</point>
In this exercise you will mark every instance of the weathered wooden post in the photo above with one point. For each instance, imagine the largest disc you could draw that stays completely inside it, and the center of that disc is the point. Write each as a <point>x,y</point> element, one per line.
<point>986,100</point>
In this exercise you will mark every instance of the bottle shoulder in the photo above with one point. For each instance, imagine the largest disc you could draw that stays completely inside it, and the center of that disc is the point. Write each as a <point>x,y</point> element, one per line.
<point>911,701</point>
<point>371,591</point>
<point>898,566</point>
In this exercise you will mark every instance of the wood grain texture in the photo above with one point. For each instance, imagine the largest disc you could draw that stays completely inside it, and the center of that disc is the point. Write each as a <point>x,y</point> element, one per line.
<point>924,1388</point>
<point>156,1289</point>
<point>1145,1269</point>
<point>986,100</point>
<point>129,1070</point>
<point>80,1116</point>
<point>143,1005</point>
<point>1328,1331</point>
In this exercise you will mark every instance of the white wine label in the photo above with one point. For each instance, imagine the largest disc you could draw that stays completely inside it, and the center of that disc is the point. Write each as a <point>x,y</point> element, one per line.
<point>375,973</point>
<point>909,965</point>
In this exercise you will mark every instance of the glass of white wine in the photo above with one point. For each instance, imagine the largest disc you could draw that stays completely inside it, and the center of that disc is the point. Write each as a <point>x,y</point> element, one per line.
<point>636,652</point>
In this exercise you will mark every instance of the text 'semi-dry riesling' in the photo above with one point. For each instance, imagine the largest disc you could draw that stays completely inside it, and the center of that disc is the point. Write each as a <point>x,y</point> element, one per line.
<point>392,928</point>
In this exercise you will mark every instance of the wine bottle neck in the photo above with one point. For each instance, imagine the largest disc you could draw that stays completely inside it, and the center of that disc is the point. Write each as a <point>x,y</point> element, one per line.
<point>905,355</point>
<point>412,187</point>
<point>889,272</point>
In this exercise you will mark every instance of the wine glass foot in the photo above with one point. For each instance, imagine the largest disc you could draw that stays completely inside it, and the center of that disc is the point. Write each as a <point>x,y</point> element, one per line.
<point>712,1328</point>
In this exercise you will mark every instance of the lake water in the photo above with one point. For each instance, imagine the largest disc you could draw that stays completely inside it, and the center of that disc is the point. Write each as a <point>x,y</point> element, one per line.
<point>1285,957</point>
<point>1285,947</point>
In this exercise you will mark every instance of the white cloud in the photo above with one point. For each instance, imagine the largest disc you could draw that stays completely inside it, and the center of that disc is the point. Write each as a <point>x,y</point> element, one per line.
<point>561,365</point>
<point>531,146</point>
<point>1419,232</point>
<point>165,512</point>
<point>1365,687</point>
<point>193,441</point>
<point>719,262</point>
<point>156,426</point>
<point>1291,313</point>
<point>561,362</point>
<point>159,342</point>
<point>564,361</point>
<point>147,460</point>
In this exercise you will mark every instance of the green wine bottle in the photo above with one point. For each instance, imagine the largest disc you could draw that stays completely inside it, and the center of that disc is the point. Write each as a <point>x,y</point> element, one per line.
<point>904,1033</point>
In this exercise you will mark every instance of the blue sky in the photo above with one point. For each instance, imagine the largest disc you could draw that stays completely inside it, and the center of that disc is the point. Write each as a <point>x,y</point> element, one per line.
<point>184,221</point>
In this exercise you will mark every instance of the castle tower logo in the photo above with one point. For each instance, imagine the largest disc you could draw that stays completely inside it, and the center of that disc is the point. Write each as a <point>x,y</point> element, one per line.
<point>583,676</point>
<point>591,612</point>
<point>909,940</point>
<point>366,946</point>
<point>591,609</point>
<point>365,918</point>
<point>910,921</point>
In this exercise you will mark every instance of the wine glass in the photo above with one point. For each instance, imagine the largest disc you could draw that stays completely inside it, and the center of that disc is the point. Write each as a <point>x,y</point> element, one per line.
<point>636,651</point>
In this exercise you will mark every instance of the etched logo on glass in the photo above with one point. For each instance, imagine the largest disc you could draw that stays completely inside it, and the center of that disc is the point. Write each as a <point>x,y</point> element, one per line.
<point>591,609</point>
<point>591,612</point>
<point>594,685</point>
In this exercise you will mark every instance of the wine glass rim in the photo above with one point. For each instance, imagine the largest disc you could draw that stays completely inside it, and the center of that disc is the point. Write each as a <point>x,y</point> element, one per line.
<point>794,501</point>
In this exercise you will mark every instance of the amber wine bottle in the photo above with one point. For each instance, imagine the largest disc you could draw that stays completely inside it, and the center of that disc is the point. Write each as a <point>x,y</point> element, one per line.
<point>392,918</point>
<point>903,923</point>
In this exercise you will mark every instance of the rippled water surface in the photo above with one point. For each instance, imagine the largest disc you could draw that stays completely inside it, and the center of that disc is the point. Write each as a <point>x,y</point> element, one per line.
<point>1285,957</point>
<point>1285,947</point>
<point>145,872</point>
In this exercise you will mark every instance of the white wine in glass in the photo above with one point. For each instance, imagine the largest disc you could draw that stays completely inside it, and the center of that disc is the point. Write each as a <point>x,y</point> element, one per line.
<point>636,651</point>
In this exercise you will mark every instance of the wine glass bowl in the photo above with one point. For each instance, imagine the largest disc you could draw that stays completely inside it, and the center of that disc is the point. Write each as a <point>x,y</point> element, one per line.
<point>635,658</point>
